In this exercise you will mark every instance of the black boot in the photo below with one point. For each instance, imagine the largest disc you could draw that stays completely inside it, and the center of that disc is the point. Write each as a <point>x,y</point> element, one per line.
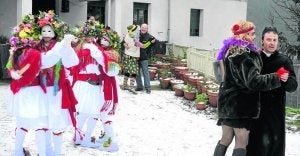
<point>239,152</point>
<point>220,150</point>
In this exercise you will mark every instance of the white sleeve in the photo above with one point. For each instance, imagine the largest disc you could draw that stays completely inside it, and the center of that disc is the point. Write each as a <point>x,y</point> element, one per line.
<point>51,57</point>
<point>69,57</point>
<point>113,71</point>
<point>95,53</point>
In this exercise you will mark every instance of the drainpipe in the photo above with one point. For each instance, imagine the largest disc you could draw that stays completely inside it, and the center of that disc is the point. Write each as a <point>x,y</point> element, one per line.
<point>169,20</point>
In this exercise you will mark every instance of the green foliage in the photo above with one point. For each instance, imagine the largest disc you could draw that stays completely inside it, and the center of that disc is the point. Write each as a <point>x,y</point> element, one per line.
<point>202,97</point>
<point>293,116</point>
<point>189,88</point>
<point>164,73</point>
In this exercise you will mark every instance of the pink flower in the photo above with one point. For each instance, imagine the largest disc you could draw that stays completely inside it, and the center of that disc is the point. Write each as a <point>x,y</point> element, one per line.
<point>30,39</point>
<point>28,25</point>
<point>13,40</point>
<point>24,40</point>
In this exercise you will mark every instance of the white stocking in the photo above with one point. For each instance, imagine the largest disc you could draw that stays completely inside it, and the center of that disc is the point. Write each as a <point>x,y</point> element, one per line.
<point>109,130</point>
<point>80,122</point>
<point>90,128</point>
<point>57,142</point>
<point>49,148</point>
<point>40,139</point>
<point>20,136</point>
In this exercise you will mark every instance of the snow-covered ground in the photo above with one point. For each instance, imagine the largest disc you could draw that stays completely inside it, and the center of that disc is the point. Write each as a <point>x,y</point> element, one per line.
<point>156,124</point>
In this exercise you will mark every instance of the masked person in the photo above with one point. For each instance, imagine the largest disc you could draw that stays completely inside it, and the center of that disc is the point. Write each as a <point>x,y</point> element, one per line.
<point>24,65</point>
<point>87,86</point>
<point>59,94</point>
<point>238,101</point>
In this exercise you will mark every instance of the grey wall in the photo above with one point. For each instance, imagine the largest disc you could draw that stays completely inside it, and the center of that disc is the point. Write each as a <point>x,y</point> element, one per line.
<point>259,12</point>
<point>8,16</point>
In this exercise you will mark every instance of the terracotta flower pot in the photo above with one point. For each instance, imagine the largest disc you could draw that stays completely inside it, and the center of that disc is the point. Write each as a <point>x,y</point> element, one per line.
<point>189,95</point>
<point>178,92</point>
<point>152,74</point>
<point>165,83</point>
<point>201,105</point>
<point>213,98</point>
<point>175,82</point>
<point>192,80</point>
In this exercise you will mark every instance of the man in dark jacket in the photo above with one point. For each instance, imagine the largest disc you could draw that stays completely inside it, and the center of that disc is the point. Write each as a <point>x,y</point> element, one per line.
<point>146,39</point>
<point>268,135</point>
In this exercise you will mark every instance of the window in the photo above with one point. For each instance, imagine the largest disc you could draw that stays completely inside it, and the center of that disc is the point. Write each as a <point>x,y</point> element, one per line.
<point>42,5</point>
<point>195,21</point>
<point>96,9</point>
<point>140,13</point>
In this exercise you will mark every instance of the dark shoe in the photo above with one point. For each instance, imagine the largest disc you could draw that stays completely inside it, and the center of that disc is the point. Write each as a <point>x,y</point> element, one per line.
<point>239,152</point>
<point>138,89</point>
<point>148,91</point>
<point>132,90</point>
<point>220,150</point>
<point>26,152</point>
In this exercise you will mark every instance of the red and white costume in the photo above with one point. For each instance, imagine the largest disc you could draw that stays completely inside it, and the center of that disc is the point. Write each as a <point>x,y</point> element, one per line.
<point>87,89</point>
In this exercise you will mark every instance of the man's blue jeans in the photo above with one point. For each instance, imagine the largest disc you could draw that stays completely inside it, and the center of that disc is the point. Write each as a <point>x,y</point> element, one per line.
<point>143,65</point>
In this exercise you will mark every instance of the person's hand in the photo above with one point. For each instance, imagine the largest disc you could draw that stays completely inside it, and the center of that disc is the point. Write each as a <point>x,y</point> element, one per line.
<point>282,74</point>
<point>152,41</point>
<point>93,49</point>
<point>139,44</point>
<point>126,46</point>
<point>284,77</point>
<point>68,38</point>
<point>15,75</point>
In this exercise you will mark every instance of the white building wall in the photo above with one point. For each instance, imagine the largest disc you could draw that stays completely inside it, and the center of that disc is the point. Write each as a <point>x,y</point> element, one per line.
<point>218,17</point>
<point>11,13</point>
<point>77,12</point>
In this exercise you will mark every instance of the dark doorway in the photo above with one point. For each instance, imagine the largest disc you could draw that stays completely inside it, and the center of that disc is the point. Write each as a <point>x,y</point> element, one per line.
<point>140,13</point>
<point>96,9</point>
<point>42,5</point>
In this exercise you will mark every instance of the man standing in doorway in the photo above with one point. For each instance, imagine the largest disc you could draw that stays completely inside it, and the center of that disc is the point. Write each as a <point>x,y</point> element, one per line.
<point>146,39</point>
<point>267,137</point>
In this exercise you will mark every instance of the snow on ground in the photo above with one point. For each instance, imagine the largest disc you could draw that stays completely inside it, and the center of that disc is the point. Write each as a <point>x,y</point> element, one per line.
<point>156,124</point>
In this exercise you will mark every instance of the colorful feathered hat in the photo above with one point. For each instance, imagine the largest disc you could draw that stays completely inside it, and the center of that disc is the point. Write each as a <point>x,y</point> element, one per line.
<point>50,18</point>
<point>26,33</point>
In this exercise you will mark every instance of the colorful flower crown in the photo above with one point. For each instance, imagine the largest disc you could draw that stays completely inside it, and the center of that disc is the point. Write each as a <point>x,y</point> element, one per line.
<point>26,33</point>
<point>89,29</point>
<point>50,18</point>
<point>113,38</point>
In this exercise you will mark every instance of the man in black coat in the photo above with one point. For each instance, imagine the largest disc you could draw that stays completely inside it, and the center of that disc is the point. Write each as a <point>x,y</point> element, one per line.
<point>147,40</point>
<point>267,137</point>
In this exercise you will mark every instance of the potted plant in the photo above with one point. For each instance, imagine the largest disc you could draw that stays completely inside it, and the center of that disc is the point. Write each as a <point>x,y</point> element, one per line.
<point>213,92</point>
<point>201,101</point>
<point>152,72</point>
<point>189,92</point>
<point>178,89</point>
<point>175,82</point>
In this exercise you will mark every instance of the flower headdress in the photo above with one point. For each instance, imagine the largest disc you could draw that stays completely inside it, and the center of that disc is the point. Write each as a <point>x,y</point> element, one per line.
<point>88,29</point>
<point>50,18</point>
<point>26,33</point>
<point>113,38</point>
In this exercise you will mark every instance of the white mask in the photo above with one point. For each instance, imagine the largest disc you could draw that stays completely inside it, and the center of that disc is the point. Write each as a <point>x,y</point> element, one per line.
<point>104,42</point>
<point>47,31</point>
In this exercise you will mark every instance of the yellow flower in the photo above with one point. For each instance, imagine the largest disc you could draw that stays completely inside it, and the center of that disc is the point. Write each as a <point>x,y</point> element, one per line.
<point>51,11</point>
<point>27,30</point>
<point>22,34</point>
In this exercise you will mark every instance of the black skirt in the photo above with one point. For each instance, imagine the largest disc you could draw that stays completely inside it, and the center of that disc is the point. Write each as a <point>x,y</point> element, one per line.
<point>236,123</point>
